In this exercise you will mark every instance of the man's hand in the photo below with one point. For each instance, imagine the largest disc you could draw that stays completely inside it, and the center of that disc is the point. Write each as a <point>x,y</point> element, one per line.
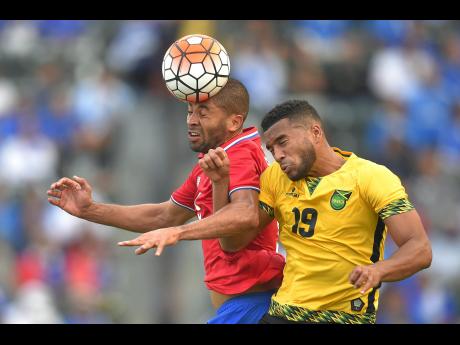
<point>215,165</point>
<point>160,239</point>
<point>73,196</point>
<point>365,277</point>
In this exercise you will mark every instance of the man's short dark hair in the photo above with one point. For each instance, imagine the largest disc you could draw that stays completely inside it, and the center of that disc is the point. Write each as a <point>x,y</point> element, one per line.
<point>292,110</point>
<point>233,98</point>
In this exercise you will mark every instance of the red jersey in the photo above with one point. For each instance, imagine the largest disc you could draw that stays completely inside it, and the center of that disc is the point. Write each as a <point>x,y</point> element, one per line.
<point>258,263</point>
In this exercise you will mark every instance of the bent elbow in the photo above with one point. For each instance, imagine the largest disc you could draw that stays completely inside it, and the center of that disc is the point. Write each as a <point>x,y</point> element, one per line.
<point>427,256</point>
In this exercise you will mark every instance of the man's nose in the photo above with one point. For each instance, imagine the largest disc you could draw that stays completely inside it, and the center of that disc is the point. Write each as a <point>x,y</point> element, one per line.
<point>278,154</point>
<point>192,119</point>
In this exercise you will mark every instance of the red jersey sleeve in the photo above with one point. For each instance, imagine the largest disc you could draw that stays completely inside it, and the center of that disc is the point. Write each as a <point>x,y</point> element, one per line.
<point>245,168</point>
<point>184,196</point>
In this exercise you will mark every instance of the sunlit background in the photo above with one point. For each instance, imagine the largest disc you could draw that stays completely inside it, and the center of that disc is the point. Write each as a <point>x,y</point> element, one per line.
<point>87,98</point>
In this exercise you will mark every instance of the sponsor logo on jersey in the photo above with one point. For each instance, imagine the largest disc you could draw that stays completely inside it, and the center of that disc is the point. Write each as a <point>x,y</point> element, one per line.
<point>293,193</point>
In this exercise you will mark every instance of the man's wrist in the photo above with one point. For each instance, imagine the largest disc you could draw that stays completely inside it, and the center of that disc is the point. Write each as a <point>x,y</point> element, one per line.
<point>181,232</point>
<point>88,211</point>
<point>379,269</point>
<point>222,181</point>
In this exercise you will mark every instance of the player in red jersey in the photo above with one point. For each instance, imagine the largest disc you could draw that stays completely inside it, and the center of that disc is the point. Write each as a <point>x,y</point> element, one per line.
<point>241,283</point>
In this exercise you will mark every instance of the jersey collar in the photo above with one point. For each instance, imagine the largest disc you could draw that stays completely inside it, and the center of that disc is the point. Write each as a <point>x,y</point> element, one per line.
<point>249,133</point>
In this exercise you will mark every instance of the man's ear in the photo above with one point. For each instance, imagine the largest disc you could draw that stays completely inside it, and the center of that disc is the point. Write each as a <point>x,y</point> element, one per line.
<point>317,132</point>
<point>235,122</point>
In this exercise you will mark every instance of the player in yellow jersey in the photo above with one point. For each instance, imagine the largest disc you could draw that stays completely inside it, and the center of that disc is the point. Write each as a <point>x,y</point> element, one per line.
<point>334,210</point>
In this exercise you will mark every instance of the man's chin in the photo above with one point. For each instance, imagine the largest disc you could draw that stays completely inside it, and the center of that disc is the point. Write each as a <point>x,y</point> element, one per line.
<point>293,176</point>
<point>196,148</point>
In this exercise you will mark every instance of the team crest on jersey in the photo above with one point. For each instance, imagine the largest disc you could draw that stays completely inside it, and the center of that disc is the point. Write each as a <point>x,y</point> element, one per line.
<point>339,199</point>
<point>293,193</point>
<point>357,304</point>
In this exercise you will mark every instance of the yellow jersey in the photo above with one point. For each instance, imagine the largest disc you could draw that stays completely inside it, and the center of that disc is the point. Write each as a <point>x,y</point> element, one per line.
<point>328,225</point>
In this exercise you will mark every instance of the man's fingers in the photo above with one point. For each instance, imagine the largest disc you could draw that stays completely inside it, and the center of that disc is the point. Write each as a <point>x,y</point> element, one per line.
<point>81,181</point>
<point>210,162</point>
<point>53,201</point>
<point>54,193</point>
<point>203,164</point>
<point>131,243</point>
<point>66,182</point>
<point>217,161</point>
<point>145,247</point>
<point>368,285</point>
<point>220,152</point>
<point>354,275</point>
<point>160,248</point>
<point>362,279</point>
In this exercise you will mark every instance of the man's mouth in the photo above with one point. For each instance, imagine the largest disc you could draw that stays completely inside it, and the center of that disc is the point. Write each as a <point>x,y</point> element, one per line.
<point>285,167</point>
<point>193,135</point>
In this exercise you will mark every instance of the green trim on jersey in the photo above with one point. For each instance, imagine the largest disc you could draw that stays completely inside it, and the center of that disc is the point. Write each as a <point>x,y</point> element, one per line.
<point>299,314</point>
<point>396,207</point>
<point>268,209</point>
<point>312,183</point>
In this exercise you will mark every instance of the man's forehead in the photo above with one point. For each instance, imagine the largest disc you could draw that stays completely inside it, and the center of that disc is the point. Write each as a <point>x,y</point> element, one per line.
<point>206,104</point>
<point>277,128</point>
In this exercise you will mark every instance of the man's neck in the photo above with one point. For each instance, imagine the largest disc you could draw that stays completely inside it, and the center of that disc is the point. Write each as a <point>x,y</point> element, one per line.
<point>232,135</point>
<point>327,162</point>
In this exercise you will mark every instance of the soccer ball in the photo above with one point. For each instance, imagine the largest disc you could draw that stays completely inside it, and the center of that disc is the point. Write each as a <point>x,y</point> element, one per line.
<point>195,68</point>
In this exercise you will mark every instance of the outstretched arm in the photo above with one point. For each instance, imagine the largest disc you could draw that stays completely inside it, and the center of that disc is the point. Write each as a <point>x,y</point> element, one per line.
<point>235,225</point>
<point>239,216</point>
<point>413,254</point>
<point>75,197</point>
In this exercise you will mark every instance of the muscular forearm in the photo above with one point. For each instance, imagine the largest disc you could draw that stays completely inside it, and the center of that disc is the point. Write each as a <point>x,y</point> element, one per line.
<point>233,220</point>
<point>410,258</point>
<point>219,194</point>
<point>136,218</point>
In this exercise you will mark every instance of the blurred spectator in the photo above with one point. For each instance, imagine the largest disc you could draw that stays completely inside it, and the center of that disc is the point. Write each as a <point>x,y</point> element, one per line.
<point>33,304</point>
<point>429,109</point>
<point>60,29</point>
<point>60,124</point>
<point>8,97</point>
<point>396,71</point>
<point>449,145</point>
<point>258,63</point>
<point>389,32</point>
<point>100,102</point>
<point>19,39</point>
<point>322,38</point>
<point>29,156</point>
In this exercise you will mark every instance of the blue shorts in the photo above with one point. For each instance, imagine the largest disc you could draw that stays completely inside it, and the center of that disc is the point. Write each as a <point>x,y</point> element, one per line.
<point>244,309</point>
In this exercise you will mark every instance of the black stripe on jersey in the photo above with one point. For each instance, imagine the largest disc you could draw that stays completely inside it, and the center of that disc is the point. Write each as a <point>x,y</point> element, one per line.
<point>378,235</point>
<point>370,301</point>
<point>268,209</point>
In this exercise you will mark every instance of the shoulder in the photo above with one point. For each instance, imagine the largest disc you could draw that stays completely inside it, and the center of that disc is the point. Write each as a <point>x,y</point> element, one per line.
<point>247,153</point>
<point>273,172</point>
<point>370,169</point>
<point>374,177</point>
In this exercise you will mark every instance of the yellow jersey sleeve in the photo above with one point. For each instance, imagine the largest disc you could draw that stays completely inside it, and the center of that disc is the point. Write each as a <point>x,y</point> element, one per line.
<point>267,195</point>
<point>384,192</point>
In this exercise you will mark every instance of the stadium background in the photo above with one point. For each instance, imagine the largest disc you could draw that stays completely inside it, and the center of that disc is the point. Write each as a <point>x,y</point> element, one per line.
<point>87,98</point>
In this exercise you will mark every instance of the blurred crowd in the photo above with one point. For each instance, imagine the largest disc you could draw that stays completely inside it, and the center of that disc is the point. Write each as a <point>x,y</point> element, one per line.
<point>86,98</point>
